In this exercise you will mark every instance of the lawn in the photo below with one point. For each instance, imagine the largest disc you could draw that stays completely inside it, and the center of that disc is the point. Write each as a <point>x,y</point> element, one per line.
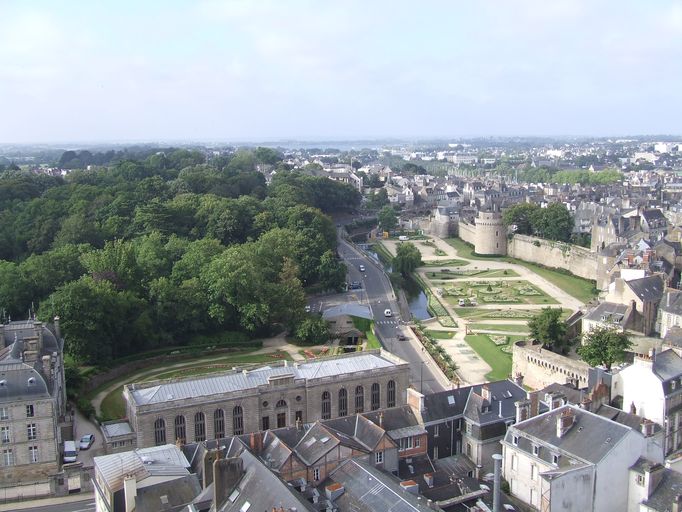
<point>500,362</point>
<point>499,327</point>
<point>440,335</point>
<point>496,292</point>
<point>489,314</point>
<point>465,250</point>
<point>582,289</point>
<point>445,263</point>
<point>445,274</point>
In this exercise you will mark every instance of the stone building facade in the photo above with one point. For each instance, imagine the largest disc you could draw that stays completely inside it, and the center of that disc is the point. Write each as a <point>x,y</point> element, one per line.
<point>239,402</point>
<point>32,401</point>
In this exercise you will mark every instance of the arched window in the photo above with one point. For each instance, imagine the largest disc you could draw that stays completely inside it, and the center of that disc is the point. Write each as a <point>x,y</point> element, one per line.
<point>390,394</point>
<point>375,396</point>
<point>180,430</point>
<point>359,399</point>
<point>343,402</point>
<point>199,427</point>
<point>326,405</point>
<point>237,420</point>
<point>281,414</point>
<point>160,432</point>
<point>219,423</point>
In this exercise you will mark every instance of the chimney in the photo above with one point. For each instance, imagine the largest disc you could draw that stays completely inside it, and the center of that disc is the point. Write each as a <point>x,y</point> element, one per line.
<point>415,400</point>
<point>586,404</point>
<point>522,410</point>
<point>57,330</point>
<point>677,504</point>
<point>647,427</point>
<point>555,400</point>
<point>210,456</point>
<point>129,492</point>
<point>410,486</point>
<point>252,442</point>
<point>518,379</point>
<point>500,409</point>
<point>333,491</point>
<point>226,475</point>
<point>534,404</point>
<point>428,479</point>
<point>381,419</point>
<point>497,460</point>
<point>485,392</point>
<point>653,474</point>
<point>652,354</point>
<point>564,422</point>
<point>47,360</point>
<point>633,408</point>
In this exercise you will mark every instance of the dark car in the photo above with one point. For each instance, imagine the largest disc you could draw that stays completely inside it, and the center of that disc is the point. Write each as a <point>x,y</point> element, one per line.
<point>402,337</point>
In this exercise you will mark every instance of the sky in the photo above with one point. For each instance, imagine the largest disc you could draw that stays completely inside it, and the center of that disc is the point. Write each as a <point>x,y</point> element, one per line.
<point>257,70</point>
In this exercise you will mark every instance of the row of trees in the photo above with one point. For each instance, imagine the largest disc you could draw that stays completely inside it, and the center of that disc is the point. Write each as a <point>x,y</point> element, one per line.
<point>553,223</point>
<point>142,254</point>
<point>602,346</point>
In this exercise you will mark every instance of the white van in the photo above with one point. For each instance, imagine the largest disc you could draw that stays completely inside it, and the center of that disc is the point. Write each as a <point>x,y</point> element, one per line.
<point>70,453</point>
<point>403,238</point>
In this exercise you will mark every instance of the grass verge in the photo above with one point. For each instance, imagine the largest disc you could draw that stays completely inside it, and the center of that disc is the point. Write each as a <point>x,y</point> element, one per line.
<point>440,335</point>
<point>499,327</point>
<point>500,362</point>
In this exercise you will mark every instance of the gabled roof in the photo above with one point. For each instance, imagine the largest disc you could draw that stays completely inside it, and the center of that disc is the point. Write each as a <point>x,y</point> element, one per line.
<point>672,303</point>
<point>370,490</point>
<point>356,429</point>
<point>611,312</point>
<point>588,440</point>
<point>648,289</point>
<point>445,404</point>
<point>665,493</point>
<point>667,365</point>
<point>501,406</point>
<point>316,442</point>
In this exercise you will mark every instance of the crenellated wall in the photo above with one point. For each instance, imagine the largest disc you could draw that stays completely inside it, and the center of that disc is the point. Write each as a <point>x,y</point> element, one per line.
<point>580,261</point>
<point>467,232</point>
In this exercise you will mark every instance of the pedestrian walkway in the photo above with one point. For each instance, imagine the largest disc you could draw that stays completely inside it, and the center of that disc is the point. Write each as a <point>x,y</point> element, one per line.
<point>387,322</point>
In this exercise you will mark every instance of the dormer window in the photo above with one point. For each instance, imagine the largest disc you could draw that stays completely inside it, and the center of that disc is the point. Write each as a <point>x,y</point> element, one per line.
<point>536,450</point>
<point>515,440</point>
<point>555,459</point>
<point>31,381</point>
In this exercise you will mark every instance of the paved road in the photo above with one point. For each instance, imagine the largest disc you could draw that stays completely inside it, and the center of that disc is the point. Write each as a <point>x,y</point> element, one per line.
<point>378,294</point>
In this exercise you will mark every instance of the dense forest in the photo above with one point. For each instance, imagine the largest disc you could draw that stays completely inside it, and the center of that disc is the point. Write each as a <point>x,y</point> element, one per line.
<point>149,253</point>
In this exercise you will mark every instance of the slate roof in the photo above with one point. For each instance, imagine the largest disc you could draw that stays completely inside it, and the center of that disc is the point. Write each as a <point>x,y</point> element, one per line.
<point>317,441</point>
<point>672,303</point>
<point>262,490</point>
<point>573,395</point>
<point>445,404</point>
<point>670,486</point>
<point>370,490</point>
<point>233,381</point>
<point>588,441</point>
<point>393,419</point>
<point>648,289</point>
<point>356,429</point>
<point>116,428</point>
<point>166,461</point>
<point>624,418</point>
<point>667,365</point>
<point>502,392</point>
<point>613,312</point>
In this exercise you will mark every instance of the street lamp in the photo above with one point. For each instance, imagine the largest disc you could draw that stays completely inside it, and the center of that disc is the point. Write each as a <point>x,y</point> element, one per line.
<point>421,376</point>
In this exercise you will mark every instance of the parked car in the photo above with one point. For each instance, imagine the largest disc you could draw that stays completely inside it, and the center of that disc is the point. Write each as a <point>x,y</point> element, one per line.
<point>388,313</point>
<point>402,337</point>
<point>70,454</point>
<point>462,302</point>
<point>86,441</point>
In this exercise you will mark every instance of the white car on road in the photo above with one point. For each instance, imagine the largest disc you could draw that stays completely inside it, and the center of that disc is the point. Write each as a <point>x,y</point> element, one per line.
<point>388,313</point>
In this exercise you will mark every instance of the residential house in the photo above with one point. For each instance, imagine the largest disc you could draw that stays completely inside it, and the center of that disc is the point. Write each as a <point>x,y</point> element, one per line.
<point>643,296</point>
<point>570,459</point>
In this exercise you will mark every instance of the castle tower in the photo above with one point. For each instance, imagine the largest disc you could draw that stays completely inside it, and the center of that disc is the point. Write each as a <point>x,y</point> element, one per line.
<point>491,234</point>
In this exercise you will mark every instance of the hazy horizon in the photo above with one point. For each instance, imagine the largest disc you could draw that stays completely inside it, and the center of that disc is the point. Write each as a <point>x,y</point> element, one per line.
<point>237,71</point>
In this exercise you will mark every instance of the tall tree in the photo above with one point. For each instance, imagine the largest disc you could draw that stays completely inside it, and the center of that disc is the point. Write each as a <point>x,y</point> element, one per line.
<point>521,215</point>
<point>554,222</point>
<point>604,346</point>
<point>407,258</point>
<point>388,219</point>
<point>548,328</point>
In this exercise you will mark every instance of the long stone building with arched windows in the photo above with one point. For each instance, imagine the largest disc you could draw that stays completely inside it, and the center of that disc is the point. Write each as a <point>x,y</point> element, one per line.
<point>238,402</point>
